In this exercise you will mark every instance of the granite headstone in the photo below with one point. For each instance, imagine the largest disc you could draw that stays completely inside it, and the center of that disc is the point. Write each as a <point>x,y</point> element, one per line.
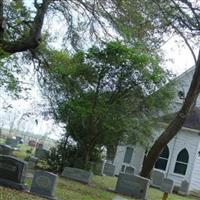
<point>13,142</point>
<point>157,177</point>
<point>167,186</point>
<point>41,153</point>
<point>184,189</point>
<point>12,172</point>
<point>78,174</point>
<point>108,169</point>
<point>133,185</point>
<point>6,149</point>
<point>44,184</point>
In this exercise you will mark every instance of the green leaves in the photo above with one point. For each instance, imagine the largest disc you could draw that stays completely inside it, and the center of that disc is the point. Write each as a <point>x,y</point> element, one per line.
<point>108,94</point>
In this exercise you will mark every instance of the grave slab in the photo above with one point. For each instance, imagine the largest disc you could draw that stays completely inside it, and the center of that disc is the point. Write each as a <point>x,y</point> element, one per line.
<point>78,174</point>
<point>44,184</point>
<point>133,185</point>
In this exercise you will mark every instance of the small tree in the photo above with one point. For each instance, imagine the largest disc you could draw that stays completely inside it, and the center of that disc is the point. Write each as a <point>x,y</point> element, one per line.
<point>105,95</point>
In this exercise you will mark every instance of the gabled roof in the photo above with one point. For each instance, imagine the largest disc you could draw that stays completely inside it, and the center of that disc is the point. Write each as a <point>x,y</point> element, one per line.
<point>192,121</point>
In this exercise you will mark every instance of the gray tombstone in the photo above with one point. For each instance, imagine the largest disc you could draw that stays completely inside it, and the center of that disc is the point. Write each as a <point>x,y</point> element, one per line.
<point>77,174</point>
<point>129,170</point>
<point>12,142</point>
<point>32,161</point>
<point>41,153</point>
<point>12,172</point>
<point>133,185</point>
<point>184,189</point>
<point>108,169</point>
<point>6,149</point>
<point>44,184</point>
<point>167,185</point>
<point>119,198</point>
<point>157,177</point>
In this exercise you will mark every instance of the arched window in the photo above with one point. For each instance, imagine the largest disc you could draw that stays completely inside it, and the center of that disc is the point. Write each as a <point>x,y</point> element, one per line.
<point>161,163</point>
<point>181,162</point>
<point>128,155</point>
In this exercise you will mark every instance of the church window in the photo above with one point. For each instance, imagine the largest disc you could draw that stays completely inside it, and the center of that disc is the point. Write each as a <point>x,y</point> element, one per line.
<point>161,163</point>
<point>128,155</point>
<point>181,162</point>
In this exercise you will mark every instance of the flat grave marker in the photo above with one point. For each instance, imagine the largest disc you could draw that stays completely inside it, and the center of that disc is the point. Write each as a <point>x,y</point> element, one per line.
<point>44,184</point>
<point>78,174</point>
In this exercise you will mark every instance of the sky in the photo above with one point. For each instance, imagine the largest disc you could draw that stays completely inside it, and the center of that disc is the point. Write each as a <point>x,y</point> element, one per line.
<point>177,56</point>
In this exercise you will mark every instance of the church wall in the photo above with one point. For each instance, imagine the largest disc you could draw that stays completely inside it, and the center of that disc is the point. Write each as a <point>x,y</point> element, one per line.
<point>195,178</point>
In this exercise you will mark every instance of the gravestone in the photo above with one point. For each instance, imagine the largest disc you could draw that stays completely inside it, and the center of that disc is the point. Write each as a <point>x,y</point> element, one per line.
<point>12,172</point>
<point>77,174</point>
<point>41,153</point>
<point>167,186</point>
<point>129,170</point>
<point>157,177</point>
<point>133,185</point>
<point>32,161</point>
<point>44,184</point>
<point>6,149</point>
<point>119,198</point>
<point>184,189</point>
<point>12,142</point>
<point>108,169</point>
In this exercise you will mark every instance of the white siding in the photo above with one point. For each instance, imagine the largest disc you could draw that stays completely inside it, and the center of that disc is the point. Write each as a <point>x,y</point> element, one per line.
<point>119,158</point>
<point>184,139</point>
<point>195,178</point>
<point>136,160</point>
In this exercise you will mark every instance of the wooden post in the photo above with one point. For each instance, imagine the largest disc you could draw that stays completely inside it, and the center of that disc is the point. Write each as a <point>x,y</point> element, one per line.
<point>165,196</point>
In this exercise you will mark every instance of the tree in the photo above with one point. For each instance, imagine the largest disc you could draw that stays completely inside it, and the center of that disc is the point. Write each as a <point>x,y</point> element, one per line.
<point>22,28</point>
<point>183,17</point>
<point>21,25</point>
<point>104,94</point>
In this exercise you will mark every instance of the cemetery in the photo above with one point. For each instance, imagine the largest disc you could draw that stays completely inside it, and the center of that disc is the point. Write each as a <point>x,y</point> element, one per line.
<point>97,100</point>
<point>75,183</point>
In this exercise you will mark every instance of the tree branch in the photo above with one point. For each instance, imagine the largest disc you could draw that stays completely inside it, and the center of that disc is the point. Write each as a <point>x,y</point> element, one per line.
<point>33,39</point>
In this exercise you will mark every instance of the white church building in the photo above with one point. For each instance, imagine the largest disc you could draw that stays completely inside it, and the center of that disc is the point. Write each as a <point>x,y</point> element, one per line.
<point>180,160</point>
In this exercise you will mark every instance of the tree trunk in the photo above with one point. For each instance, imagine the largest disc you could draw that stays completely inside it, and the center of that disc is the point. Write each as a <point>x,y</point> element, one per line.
<point>175,125</point>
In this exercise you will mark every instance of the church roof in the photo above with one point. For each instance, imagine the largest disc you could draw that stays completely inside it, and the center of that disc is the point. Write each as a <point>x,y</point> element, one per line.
<point>192,121</point>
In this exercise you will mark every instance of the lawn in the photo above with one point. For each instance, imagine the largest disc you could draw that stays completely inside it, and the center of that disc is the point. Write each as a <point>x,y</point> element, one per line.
<point>71,190</point>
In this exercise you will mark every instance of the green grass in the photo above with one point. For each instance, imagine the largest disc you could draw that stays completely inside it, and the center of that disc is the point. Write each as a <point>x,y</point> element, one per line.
<point>71,190</point>
<point>22,151</point>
